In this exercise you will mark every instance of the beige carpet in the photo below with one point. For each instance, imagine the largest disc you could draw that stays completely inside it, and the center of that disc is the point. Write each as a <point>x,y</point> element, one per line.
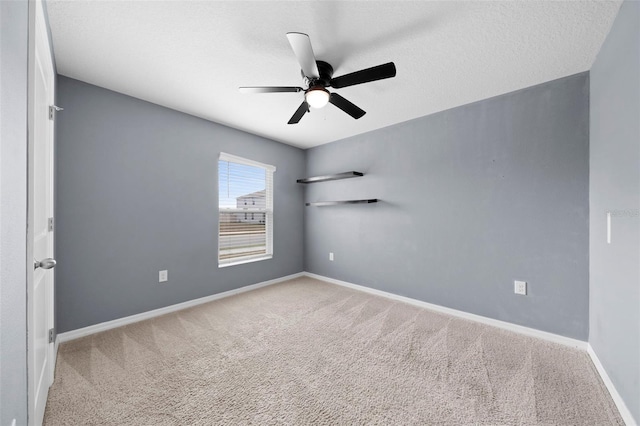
<point>307,352</point>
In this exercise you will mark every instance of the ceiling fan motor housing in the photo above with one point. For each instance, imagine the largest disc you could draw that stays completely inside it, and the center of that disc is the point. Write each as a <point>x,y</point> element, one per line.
<point>326,72</point>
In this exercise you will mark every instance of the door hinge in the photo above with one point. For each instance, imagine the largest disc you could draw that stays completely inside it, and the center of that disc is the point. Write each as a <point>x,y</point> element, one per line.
<point>52,111</point>
<point>52,335</point>
<point>50,224</point>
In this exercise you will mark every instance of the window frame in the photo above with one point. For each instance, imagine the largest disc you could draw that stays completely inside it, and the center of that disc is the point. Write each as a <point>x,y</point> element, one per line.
<point>268,210</point>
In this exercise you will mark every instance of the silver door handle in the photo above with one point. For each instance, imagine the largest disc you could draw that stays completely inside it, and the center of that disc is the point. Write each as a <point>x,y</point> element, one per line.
<point>47,263</point>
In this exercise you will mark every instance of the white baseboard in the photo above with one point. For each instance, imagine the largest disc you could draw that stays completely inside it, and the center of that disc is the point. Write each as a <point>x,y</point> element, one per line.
<point>567,341</point>
<point>617,399</point>
<point>86,331</point>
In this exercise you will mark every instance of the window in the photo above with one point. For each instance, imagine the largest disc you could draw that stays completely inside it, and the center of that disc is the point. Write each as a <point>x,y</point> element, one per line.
<point>245,229</point>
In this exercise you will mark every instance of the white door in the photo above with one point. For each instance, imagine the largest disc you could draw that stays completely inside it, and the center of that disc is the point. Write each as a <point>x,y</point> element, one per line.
<point>40,285</point>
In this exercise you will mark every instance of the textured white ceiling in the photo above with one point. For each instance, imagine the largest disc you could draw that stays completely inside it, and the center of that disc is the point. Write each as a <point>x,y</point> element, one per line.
<point>193,55</point>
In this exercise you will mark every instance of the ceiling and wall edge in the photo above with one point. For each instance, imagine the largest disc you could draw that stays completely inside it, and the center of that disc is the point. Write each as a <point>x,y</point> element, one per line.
<point>193,56</point>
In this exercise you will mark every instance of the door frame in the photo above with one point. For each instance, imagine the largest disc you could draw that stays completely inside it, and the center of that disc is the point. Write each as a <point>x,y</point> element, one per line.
<point>37,28</point>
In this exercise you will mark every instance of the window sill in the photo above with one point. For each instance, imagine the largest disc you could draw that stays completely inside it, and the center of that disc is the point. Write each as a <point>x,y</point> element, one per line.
<point>243,261</point>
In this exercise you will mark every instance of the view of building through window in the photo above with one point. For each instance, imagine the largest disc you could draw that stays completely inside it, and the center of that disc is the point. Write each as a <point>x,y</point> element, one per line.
<point>245,213</point>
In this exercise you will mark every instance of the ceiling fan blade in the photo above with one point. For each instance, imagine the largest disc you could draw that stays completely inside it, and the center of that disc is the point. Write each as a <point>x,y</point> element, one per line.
<point>301,46</point>
<point>272,89</point>
<point>346,106</point>
<point>380,72</point>
<point>302,109</point>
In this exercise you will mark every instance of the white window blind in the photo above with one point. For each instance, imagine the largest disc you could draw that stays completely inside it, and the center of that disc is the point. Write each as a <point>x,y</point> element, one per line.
<point>245,202</point>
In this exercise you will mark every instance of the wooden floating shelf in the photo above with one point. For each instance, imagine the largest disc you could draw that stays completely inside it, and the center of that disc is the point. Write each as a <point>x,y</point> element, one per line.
<point>335,203</point>
<point>325,178</point>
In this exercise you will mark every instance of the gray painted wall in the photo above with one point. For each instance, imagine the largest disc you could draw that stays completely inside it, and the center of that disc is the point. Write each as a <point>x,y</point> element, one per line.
<point>14,18</point>
<point>473,198</point>
<point>615,186</point>
<point>137,192</point>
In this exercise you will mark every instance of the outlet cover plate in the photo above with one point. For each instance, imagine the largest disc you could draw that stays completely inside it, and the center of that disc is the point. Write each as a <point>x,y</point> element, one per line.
<point>163,276</point>
<point>520,287</point>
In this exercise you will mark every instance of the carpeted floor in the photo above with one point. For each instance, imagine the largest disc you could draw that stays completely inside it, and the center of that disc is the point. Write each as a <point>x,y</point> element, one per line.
<point>308,352</point>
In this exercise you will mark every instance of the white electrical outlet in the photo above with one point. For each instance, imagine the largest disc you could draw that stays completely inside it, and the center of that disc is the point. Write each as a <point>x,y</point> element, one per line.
<point>163,276</point>
<point>520,287</point>
<point>331,256</point>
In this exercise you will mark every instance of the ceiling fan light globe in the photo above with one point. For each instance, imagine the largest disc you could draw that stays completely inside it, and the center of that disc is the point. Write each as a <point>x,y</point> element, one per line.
<point>317,97</point>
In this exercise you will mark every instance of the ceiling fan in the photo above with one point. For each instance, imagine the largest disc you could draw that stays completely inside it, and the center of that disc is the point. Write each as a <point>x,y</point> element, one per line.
<point>318,75</point>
